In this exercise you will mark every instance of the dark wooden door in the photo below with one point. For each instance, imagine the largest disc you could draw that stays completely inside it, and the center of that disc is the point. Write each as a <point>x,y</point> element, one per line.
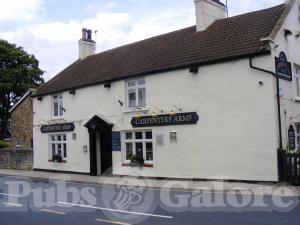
<point>106,151</point>
<point>93,154</point>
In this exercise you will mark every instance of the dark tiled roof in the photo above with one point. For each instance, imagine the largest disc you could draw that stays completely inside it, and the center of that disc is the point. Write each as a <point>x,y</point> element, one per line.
<point>225,39</point>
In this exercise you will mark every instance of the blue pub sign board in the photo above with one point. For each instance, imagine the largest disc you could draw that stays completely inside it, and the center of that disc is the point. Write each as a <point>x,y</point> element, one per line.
<point>165,120</point>
<point>116,141</point>
<point>283,67</point>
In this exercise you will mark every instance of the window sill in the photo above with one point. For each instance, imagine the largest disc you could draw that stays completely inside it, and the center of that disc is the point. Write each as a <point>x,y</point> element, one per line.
<point>135,110</point>
<point>63,161</point>
<point>61,118</point>
<point>146,165</point>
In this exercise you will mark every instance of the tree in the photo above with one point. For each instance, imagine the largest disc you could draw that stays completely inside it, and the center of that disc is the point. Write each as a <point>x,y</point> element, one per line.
<point>19,71</point>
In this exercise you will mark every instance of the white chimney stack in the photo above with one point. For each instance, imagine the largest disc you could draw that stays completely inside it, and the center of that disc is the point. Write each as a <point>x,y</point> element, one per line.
<point>207,12</point>
<point>87,46</point>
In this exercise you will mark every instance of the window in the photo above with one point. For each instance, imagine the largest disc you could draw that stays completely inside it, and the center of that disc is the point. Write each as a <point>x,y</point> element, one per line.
<point>57,105</point>
<point>58,145</point>
<point>139,143</point>
<point>297,79</point>
<point>136,93</point>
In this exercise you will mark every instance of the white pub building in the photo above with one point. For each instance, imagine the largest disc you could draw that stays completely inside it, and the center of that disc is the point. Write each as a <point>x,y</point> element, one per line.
<point>211,101</point>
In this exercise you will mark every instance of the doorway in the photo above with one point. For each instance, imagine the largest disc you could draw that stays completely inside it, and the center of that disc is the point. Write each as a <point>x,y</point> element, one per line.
<point>100,135</point>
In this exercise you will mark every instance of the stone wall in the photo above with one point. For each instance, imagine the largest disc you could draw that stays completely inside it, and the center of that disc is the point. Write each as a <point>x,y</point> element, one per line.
<point>18,159</point>
<point>21,124</point>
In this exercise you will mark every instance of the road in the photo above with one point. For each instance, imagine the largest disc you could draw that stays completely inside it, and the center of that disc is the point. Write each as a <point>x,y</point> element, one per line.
<point>41,202</point>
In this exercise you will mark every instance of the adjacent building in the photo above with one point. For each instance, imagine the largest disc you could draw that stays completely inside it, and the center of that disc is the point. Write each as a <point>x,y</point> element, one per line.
<point>211,101</point>
<point>21,122</point>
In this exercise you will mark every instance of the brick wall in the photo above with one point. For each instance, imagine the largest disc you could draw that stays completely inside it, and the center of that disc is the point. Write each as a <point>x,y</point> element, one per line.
<point>18,159</point>
<point>21,124</point>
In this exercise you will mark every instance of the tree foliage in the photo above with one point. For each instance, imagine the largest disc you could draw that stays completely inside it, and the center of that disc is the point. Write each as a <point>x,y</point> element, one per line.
<point>19,71</point>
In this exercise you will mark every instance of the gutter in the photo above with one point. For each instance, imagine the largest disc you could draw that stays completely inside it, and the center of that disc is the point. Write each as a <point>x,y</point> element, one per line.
<point>277,95</point>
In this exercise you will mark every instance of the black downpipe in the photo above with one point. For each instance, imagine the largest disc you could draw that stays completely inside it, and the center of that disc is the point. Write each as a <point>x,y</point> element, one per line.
<point>278,98</point>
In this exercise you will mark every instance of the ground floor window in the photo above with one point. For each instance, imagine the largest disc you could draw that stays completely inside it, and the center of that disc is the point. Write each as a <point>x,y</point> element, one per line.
<point>58,145</point>
<point>139,144</point>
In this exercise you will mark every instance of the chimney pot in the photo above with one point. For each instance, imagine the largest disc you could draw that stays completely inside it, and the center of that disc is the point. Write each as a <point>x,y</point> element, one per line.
<point>89,34</point>
<point>87,46</point>
<point>84,33</point>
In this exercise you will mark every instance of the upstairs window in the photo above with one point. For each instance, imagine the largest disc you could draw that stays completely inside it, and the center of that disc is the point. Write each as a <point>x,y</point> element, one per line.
<point>57,106</point>
<point>297,79</point>
<point>136,93</point>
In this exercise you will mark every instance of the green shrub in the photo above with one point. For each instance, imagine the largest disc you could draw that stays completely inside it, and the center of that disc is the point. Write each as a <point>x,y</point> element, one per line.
<point>4,144</point>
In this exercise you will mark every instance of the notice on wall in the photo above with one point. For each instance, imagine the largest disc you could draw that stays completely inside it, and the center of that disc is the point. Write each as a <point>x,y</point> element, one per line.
<point>291,136</point>
<point>116,141</point>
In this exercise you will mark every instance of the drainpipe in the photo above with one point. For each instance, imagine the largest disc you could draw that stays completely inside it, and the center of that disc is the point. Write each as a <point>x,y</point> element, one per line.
<point>278,97</point>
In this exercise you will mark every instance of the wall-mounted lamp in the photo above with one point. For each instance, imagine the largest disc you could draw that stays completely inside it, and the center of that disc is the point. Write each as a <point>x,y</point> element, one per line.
<point>120,102</point>
<point>274,45</point>
<point>172,113</point>
<point>40,99</point>
<point>261,83</point>
<point>154,114</point>
<point>63,109</point>
<point>287,32</point>
<point>72,92</point>
<point>177,108</point>
<point>107,85</point>
<point>159,110</point>
<point>194,69</point>
<point>137,115</point>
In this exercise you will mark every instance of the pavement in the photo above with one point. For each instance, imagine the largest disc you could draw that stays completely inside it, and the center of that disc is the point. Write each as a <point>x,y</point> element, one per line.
<point>258,188</point>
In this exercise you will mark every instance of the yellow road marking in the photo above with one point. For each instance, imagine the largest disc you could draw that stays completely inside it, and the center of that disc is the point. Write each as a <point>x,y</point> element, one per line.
<point>112,222</point>
<point>52,211</point>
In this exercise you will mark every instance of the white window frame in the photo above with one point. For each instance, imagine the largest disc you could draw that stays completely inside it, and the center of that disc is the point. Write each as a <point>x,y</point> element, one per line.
<point>135,88</point>
<point>297,82</point>
<point>134,141</point>
<point>56,142</point>
<point>58,98</point>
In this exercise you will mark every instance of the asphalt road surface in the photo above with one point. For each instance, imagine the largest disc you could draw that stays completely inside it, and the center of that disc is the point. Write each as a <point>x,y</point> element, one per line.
<point>41,202</point>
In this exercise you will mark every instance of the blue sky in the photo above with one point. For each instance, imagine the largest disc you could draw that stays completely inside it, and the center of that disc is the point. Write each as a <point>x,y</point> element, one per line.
<point>50,29</point>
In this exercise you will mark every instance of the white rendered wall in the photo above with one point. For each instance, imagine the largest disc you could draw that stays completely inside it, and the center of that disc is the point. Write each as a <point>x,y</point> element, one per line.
<point>235,137</point>
<point>290,106</point>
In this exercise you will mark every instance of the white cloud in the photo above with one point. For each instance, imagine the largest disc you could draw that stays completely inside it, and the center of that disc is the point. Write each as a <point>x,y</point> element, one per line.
<point>20,10</point>
<point>55,44</point>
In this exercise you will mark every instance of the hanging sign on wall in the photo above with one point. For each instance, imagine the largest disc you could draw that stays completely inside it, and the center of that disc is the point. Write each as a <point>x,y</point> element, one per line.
<point>165,120</point>
<point>116,141</point>
<point>53,128</point>
<point>283,67</point>
<point>291,135</point>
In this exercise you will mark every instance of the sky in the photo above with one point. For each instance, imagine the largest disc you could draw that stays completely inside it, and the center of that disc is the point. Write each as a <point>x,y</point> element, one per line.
<point>50,29</point>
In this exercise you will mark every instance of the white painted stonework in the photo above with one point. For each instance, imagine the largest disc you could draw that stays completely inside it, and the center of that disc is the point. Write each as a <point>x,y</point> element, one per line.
<point>236,136</point>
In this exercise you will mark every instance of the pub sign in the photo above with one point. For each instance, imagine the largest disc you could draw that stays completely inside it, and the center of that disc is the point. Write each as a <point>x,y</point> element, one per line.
<point>283,67</point>
<point>291,136</point>
<point>165,120</point>
<point>54,128</point>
